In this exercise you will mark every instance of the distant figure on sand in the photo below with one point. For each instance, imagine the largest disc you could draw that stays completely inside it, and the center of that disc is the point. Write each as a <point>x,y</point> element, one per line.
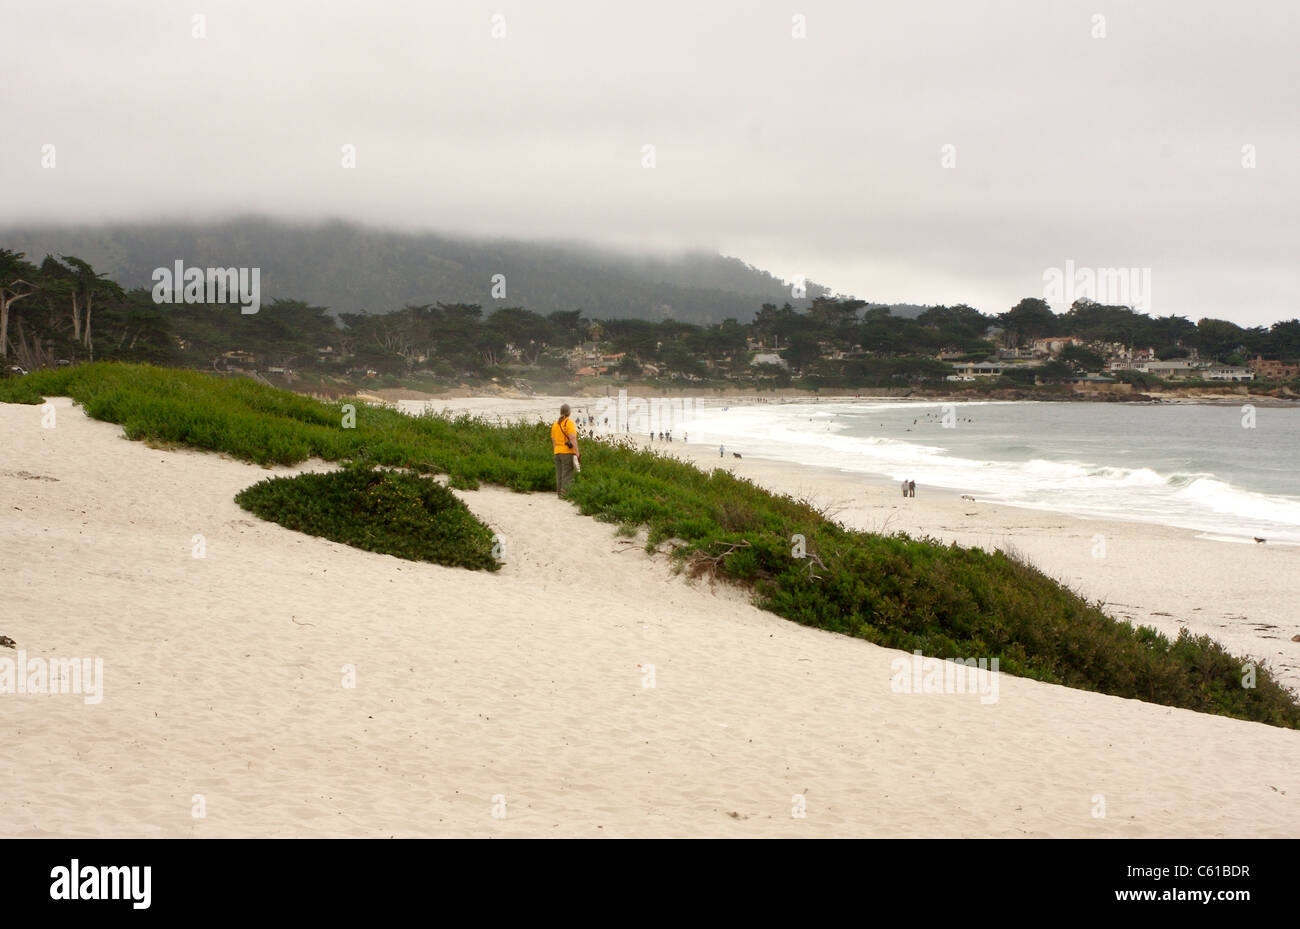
<point>722,451</point>
<point>911,488</point>
<point>904,488</point>
<point>564,441</point>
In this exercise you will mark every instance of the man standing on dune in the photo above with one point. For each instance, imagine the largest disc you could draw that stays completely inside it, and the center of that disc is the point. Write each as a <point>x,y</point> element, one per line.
<point>564,440</point>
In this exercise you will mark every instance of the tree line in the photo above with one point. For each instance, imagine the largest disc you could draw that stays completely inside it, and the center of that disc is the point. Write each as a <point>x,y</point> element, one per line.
<point>62,310</point>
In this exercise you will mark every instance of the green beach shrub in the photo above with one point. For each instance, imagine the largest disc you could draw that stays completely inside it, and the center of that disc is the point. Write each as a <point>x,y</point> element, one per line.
<point>391,512</point>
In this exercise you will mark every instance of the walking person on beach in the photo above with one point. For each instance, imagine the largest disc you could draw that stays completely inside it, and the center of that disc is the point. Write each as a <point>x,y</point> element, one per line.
<point>904,488</point>
<point>564,440</point>
<point>911,488</point>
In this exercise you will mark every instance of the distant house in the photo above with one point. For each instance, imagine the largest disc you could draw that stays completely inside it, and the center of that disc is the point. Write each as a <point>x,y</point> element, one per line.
<point>1186,369</point>
<point>1274,370</point>
<point>768,358</point>
<point>1054,346</point>
<point>1228,373</point>
<point>973,369</point>
<point>1173,370</point>
<point>580,357</point>
<point>1136,354</point>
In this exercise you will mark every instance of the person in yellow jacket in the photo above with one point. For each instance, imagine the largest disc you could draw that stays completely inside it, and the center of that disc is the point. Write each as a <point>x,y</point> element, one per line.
<point>564,440</point>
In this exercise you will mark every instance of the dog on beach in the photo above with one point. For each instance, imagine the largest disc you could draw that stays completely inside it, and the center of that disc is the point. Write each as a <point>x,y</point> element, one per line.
<point>968,497</point>
<point>735,454</point>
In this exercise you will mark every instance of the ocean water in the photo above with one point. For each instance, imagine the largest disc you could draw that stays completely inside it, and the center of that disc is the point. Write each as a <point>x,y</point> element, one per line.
<point>1191,466</point>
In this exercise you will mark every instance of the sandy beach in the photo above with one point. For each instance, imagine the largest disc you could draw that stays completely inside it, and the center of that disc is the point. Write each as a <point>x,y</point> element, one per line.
<point>585,689</point>
<point>1243,594</point>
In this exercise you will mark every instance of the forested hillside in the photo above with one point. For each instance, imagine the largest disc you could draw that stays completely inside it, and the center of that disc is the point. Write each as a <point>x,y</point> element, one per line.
<point>349,268</point>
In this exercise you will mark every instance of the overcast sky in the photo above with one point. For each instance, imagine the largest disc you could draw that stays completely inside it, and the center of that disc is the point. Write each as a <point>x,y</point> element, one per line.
<point>821,156</point>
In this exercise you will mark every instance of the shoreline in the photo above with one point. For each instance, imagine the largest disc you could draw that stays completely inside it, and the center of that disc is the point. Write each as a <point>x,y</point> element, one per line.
<point>1147,573</point>
<point>1228,397</point>
<point>528,407</point>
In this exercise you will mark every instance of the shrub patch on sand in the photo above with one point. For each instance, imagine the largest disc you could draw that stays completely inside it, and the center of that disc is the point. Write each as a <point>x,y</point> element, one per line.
<point>381,511</point>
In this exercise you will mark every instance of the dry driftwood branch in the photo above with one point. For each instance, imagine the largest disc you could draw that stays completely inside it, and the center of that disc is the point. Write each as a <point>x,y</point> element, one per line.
<point>700,562</point>
<point>814,559</point>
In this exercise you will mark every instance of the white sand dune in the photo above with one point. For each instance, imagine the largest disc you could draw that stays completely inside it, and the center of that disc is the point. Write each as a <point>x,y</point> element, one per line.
<point>224,678</point>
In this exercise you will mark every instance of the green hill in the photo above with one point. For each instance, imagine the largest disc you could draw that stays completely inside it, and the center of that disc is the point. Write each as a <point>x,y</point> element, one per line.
<point>349,268</point>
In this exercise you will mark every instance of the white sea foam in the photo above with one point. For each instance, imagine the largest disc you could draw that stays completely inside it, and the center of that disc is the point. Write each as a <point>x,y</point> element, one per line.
<point>824,436</point>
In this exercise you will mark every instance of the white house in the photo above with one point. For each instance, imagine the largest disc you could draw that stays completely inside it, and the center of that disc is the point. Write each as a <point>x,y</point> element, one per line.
<point>768,358</point>
<point>1227,373</point>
